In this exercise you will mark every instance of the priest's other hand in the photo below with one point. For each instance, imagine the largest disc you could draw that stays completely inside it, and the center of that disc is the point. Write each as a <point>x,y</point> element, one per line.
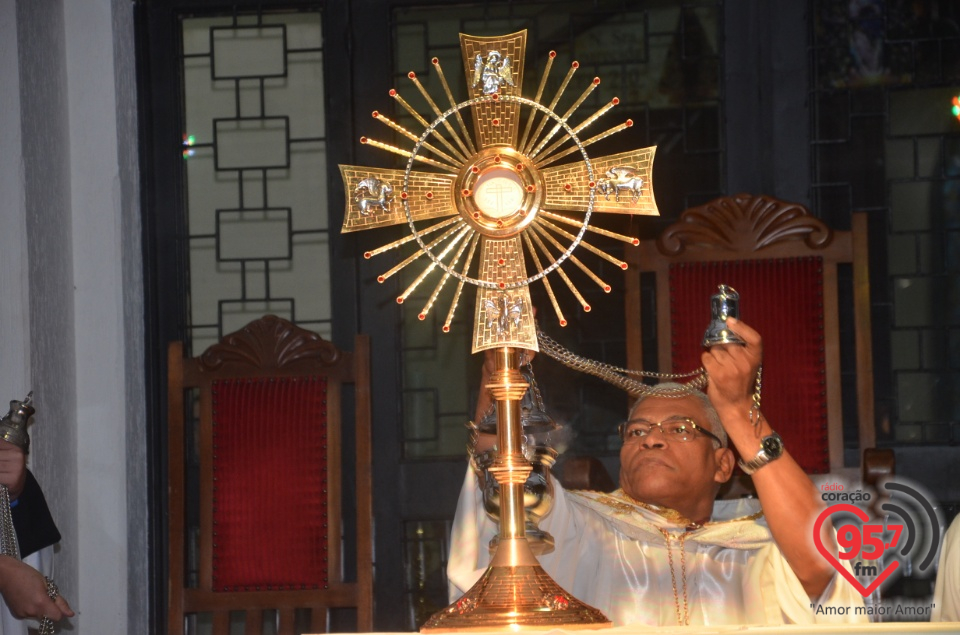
<point>24,589</point>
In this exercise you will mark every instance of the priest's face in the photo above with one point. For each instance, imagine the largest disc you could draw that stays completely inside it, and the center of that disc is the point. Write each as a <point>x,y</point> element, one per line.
<point>661,469</point>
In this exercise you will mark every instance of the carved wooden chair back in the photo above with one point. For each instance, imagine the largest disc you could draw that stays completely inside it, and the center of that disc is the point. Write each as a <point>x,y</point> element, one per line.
<point>784,263</point>
<point>259,529</point>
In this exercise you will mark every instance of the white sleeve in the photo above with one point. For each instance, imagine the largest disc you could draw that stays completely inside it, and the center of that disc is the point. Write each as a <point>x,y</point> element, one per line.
<point>837,604</point>
<point>473,530</point>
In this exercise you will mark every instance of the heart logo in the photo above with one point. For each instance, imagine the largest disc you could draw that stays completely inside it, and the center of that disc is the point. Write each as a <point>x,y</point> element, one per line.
<point>862,515</point>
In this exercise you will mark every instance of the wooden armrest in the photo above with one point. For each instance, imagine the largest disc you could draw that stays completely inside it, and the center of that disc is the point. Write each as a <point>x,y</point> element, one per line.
<point>878,463</point>
<point>586,472</point>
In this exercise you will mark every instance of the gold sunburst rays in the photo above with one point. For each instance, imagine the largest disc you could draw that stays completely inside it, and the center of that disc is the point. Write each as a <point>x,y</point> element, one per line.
<point>488,206</point>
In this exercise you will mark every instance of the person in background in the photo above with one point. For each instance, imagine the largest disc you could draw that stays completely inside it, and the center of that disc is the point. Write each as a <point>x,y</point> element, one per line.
<point>946,593</point>
<point>22,585</point>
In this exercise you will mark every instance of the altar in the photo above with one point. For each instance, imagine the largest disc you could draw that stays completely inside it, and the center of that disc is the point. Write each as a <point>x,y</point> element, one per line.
<point>787,629</point>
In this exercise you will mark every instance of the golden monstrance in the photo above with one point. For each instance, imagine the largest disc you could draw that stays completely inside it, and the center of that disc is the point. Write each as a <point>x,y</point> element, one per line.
<point>495,210</point>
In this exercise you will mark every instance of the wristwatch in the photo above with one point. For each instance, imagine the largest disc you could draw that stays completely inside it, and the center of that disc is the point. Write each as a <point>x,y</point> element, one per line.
<point>771,449</point>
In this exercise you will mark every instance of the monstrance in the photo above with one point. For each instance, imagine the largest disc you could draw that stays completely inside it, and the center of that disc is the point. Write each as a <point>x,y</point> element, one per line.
<point>499,209</point>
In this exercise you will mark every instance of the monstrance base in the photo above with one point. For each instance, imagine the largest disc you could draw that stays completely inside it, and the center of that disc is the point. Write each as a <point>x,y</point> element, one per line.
<point>516,597</point>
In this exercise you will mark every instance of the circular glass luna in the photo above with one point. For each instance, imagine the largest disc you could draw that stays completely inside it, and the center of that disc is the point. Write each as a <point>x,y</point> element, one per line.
<point>490,159</point>
<point>498,193</point>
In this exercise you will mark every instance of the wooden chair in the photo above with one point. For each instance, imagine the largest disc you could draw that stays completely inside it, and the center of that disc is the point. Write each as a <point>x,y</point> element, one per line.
<point>586,473</point>
<point>784,264</point>
<point>260,529</point>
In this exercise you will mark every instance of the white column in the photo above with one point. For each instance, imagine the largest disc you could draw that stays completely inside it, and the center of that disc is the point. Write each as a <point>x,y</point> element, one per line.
<point>99,328</point>
<point>71,290</point>
<point>42,153</point>
<point>14,306</point>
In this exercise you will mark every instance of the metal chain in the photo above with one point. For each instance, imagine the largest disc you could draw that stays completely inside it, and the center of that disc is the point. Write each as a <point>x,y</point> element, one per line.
<point>46,624</point>
<point>534,387</point>
<point>8,535</point>
<point>10,547</point>
<point>621,377</point>
<point>684,618</point>
<point>755,414</point>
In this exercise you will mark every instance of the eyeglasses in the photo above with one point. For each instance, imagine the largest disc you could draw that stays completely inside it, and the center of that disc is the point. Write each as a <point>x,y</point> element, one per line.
<point>679,428</point>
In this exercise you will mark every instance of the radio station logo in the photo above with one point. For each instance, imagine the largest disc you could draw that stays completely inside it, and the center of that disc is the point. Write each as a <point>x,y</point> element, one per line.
<point>872,549</point>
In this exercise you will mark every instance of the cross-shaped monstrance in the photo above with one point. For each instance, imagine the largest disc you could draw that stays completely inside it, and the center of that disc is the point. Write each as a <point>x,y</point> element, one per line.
<point>506,204</point>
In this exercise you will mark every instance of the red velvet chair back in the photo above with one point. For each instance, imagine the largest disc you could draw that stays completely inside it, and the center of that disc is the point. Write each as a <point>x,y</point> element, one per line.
<point>783,300</point>
<point>268,475</point>
<point>783,262</point>
<point>270,504</point>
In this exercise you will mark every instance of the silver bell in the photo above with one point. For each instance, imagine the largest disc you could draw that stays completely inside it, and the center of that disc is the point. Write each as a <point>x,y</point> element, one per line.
<point>725,303</point>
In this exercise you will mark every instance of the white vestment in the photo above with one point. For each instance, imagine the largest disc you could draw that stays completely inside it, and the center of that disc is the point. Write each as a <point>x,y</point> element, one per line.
<point>612,555</point>
<point>946,593</point>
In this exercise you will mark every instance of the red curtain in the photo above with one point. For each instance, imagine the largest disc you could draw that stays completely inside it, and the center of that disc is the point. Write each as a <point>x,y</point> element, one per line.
<point>783,300</point>
<point>270,483</point>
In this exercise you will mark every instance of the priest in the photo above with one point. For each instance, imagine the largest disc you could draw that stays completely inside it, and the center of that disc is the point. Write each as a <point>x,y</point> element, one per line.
<point>661,550</point>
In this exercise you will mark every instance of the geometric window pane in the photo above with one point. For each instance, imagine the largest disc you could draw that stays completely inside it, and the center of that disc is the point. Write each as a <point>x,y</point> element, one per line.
<point>196,33</point>
<point>299,87</point>
<point>424,559</point>
<point>251,143</point>
<point>207,100</point>
<point>884,143</point>
<point>919,396</point>
<point>219,190</point>
<point>210,281</point>
<point>305,277</point>
<point>420,404</point>
<point>922,112</point>
<point>910,206</point>
<point>254,234</point>
<point>918,301</point>
<point>254,166</point>
<point>249,52</point>
<point>301,189</point>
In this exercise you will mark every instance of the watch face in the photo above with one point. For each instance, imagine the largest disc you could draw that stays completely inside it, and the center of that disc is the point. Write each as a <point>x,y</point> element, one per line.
<point>773,446</point>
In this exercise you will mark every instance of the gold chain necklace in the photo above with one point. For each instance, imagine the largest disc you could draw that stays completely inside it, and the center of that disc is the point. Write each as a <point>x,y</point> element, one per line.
<point>674,517</point>
<point>684,619</point>
<point>670,515</point>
